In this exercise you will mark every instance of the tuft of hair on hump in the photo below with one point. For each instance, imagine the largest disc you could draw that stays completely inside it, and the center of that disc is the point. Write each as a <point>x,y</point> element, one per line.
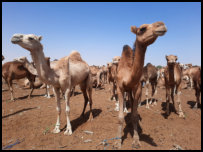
<point>127,52</point>
<point>75,55</point>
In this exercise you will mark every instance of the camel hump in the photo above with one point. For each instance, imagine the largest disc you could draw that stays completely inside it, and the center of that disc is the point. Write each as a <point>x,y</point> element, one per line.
<point>127,52</point>
<point>75,55</point>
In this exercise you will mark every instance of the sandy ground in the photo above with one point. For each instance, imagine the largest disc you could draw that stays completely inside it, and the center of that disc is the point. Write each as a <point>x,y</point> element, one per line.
<point>30,121</point>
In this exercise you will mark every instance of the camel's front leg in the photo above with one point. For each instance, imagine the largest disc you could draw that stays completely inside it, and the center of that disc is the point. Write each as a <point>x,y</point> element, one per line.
<point>147,93</point>
<point>58,108</point>
<point>67,99</point>
<point>181,114</point>
<point>9,83</point>
<point>120,117</point>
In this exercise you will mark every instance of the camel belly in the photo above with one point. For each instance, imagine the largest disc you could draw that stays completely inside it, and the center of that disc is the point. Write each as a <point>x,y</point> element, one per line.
<point>79,72</point>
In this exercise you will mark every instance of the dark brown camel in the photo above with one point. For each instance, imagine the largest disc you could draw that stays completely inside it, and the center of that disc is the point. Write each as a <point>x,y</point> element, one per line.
<point>149,76</point>
<point>16,70</point>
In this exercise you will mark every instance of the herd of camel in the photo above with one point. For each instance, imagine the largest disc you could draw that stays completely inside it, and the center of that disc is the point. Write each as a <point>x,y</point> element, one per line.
<point>126,72</point>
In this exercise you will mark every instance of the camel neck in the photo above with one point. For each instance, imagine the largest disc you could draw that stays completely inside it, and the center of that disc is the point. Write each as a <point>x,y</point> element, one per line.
<point>45,73</point>
<point>138,62</point>
<point>30,68</point>
<point>171,72</point>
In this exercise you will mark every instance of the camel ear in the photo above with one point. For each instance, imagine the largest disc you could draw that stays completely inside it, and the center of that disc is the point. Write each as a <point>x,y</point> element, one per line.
<point>40,38</point>
<point>166,57</point>
<point>134,29</point>
<point>176,58</point>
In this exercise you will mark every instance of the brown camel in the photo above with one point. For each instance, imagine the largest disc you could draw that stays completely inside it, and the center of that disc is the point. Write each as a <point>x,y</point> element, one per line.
<point>15,70</point>
<point>150,76</point>
<point>130,71</point>
<point>195,75</point>
<point>32,69</point>
<point>112,72</point>
<point>70,71</point>
<point>173,76</point>
<point>161,80</point>
<point>105,73</point>
<point>3,58</point>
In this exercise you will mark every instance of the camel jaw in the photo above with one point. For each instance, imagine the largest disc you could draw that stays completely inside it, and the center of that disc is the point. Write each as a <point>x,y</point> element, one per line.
<point>160,31</point>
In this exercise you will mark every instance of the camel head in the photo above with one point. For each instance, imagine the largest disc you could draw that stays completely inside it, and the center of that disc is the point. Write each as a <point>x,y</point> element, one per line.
<point>21,59</point>
<point>3,58</point>
<point>29,42</point>
<point>116,59</point>
<point>146,34</point>
<point>171,59</point>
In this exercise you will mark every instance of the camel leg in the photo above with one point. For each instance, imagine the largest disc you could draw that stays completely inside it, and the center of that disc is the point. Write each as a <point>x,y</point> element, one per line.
<point>191,83</point>
<point>90,101</point>
<point>9,83</point>
<point>154,92</point>
<point>113,97</point>
<point>197,94</point>
<point>124,103</point>
<point>172,98</point>
<point>139,91</point>
<point>47,94</point>
<point>167,100</point>
<point>179,101</point>
<point>146,94</point>
<point>67,99</point>
<point>120,117</point>
<point>58,108</point>
<point>32,88</point>
<point>83,89</point>
<point>135,122</point>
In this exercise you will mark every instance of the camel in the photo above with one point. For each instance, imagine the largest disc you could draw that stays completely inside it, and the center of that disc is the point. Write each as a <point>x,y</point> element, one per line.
<point>105,73</point>
<point>15,70</point>
<point>70,71</point>
<point>3,58</point>
<point>195,75</point>
<point>32,69</point>
<point>161,80</point>
<point>129,73</point>
<point>150,76</point>
<point>112,72</point>
<point>173,76</point>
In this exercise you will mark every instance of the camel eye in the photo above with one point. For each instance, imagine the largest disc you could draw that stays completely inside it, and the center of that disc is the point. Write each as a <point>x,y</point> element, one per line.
<point>143,29</point>
<point>30,38</point>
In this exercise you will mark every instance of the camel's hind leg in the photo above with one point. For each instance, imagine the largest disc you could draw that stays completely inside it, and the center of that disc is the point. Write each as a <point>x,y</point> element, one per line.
<point>32,80</point>
<point>87,87</point>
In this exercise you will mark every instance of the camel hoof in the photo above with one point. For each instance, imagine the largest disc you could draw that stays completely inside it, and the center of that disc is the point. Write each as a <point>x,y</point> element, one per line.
<point>147,107</point>
<point>56,130</point>
<point>136,145</point>
<point>181,115</point>
<point>68,132</point>
<point>125,110</point>
<point>117,144</point>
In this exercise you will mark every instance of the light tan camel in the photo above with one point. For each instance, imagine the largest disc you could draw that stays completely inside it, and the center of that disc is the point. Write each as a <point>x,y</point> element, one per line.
<point>195,75</point>
<point>150,76</point>
<point>32,69</point>
<point>130,71</point>
<point>16,70</point>
<point>70,71</point>
<point>173,77</point>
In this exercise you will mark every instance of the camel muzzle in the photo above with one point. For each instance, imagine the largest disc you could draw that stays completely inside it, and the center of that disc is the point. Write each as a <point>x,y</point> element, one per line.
<point>16,38</point>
